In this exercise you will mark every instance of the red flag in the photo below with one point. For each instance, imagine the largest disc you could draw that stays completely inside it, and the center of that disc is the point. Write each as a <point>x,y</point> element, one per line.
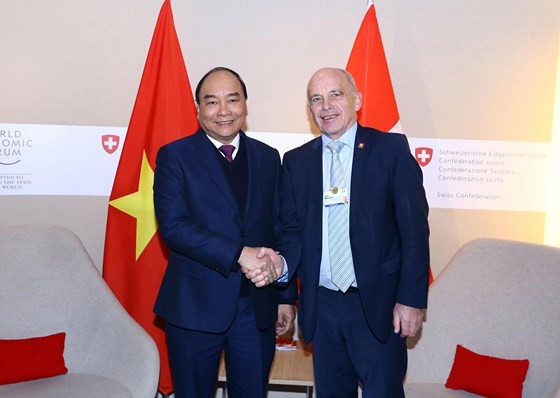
<point>368,65</point>
<point>135,257</point>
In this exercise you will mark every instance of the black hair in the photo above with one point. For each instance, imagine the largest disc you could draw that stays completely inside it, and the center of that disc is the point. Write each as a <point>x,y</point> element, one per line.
<point>214,70</point>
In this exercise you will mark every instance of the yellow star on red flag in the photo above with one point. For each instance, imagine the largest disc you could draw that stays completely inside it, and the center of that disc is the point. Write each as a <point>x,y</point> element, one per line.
<point>135,256</point>
<point>140,205</point>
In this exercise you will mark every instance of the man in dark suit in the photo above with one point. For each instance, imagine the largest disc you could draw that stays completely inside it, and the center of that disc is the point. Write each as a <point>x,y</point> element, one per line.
<point>216,202</point>
<point>355,227</point>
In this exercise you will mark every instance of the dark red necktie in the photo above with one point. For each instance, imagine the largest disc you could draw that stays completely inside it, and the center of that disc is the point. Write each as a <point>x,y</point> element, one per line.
<point>228,151</point>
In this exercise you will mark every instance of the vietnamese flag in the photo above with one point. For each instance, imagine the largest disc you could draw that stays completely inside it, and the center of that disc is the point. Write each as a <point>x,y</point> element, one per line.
<point>368,65</point>
<point>135,257</point>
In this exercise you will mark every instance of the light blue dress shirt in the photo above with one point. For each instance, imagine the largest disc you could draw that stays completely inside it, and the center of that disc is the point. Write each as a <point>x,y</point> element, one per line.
<point>346,157</point>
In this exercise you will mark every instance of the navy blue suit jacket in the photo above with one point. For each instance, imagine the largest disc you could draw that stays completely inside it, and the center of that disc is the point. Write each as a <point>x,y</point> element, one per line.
<point>388,226</point>
<point>202,224</point>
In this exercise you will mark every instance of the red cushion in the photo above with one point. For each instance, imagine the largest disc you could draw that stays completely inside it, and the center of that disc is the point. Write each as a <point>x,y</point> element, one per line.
<point>487,376</point>
<point>33,358</point>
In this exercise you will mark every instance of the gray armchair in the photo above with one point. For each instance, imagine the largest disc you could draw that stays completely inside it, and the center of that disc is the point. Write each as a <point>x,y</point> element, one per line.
<point>495,297</point>
<point>49,284</point>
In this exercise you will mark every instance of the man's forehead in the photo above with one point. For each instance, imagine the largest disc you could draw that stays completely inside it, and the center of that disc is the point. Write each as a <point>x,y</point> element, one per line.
<point>330,83</point>
<point>329,89</point>
<point>232,94</point>
<point>221,78</point>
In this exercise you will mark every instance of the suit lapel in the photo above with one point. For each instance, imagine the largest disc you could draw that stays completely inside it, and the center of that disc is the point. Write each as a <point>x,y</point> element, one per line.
<point>254,160</point>
<point>211,164</point>
<point>363,147</point>
<point>315,170</point>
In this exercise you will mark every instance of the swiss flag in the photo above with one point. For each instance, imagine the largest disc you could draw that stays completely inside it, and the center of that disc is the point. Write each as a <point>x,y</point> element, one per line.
<point>135,257</point>
<point>368,65</point>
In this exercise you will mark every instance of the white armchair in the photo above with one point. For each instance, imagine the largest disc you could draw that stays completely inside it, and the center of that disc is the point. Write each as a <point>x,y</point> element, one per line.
<point>49,284</point>
<point>498,298</point>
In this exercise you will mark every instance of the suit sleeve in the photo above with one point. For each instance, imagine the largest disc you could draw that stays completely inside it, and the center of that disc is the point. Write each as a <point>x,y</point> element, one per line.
<point>289,241</point>
<point>412,219</point>
<point>178,222</point>
<point>288,293</point>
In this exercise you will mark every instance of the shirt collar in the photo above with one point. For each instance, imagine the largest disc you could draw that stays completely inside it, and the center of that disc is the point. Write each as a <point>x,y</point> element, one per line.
<point>218,144</point>
<point>348,138</point>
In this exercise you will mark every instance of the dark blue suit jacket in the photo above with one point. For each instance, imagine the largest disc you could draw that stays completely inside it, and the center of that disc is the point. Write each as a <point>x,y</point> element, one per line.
<point>388,226</point>
<point>200,221</point>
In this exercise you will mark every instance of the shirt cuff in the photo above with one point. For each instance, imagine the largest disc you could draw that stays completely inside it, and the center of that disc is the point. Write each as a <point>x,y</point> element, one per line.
<point>284,277</point>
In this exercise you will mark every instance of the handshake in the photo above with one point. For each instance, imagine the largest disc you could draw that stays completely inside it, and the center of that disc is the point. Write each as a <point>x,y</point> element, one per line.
<point>261,265</point>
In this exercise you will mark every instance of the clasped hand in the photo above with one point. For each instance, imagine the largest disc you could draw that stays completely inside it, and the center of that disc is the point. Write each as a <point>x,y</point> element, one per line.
<point>261,265</point>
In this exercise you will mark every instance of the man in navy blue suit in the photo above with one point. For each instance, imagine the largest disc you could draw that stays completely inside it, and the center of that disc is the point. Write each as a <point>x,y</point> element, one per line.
<point>355,229</point>
<point>216,196</point>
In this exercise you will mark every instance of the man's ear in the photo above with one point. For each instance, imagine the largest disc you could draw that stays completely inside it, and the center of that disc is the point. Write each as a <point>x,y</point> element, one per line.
<point>358,101</point>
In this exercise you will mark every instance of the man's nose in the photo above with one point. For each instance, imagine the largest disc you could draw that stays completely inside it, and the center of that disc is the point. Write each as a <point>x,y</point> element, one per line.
<point>223,108</point>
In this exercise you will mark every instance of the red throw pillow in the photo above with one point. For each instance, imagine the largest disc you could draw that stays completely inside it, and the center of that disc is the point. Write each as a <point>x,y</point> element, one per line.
<point>487,376</point>
<point>33,358</point>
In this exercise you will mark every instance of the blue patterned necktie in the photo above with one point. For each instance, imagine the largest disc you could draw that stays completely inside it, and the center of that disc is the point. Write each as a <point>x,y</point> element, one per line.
<point>340,254</point>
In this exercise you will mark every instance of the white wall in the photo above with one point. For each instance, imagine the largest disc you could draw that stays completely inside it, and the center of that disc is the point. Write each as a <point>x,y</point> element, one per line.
<point>461,69</point>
